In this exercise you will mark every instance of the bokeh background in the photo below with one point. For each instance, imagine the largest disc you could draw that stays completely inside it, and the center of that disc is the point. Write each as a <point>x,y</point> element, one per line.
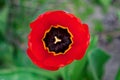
<point>102,59</point>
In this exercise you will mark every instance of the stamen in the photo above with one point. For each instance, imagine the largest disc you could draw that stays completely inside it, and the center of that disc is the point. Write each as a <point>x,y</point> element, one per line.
<point>57,40</point>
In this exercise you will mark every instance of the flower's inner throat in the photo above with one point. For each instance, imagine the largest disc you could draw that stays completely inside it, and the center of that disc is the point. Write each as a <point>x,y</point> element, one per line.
<point>57,39</point>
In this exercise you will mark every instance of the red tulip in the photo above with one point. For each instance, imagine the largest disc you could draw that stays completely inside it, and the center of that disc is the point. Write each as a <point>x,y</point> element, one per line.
<point>56,39</point>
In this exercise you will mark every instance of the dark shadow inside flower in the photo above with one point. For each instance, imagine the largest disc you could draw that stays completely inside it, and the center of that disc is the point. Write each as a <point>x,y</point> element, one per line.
<point>57,39</point>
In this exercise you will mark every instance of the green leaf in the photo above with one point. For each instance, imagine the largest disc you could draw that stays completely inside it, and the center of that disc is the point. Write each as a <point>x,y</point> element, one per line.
<point>105,2</point>
<point>6,51</point>
<point>80,65</point>
<point>3,19</point>
<point>118,75</point>
<point>2,3</point>
<point>22,60</point>
<point>118,14</point>
<point>23,74</point>
<point>98,26</point>
<point>64,73</point>
<point>97,59</point>
<point>1,37</point>
<point>42,1</point>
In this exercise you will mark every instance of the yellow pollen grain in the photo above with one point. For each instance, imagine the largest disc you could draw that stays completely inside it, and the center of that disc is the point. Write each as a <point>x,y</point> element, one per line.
<point>57,40</point>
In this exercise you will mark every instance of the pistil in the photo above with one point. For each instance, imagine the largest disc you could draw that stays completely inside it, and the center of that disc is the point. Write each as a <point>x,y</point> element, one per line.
<point>57,40</point>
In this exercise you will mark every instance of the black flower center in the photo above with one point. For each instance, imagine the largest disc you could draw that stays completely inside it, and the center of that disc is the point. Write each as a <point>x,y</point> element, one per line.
<point>57,39</point>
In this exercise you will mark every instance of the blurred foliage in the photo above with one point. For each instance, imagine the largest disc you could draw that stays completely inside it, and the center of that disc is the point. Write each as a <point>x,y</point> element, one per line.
<point>97,64</point>
<point>15,16</point>
<point>118,14</point>
<point>2,3</point>
<point>118,75</point>
<point>105,3</point>
<point>98,26</point>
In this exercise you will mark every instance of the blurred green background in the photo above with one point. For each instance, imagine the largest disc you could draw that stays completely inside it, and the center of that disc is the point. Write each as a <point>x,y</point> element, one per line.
<point>102,59</point>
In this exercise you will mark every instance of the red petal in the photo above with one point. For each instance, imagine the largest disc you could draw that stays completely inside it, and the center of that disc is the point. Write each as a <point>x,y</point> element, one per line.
<point>39,63</point>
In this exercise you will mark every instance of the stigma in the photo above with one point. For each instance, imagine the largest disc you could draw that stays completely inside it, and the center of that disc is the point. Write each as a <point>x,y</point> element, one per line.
<point>57,40</point>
